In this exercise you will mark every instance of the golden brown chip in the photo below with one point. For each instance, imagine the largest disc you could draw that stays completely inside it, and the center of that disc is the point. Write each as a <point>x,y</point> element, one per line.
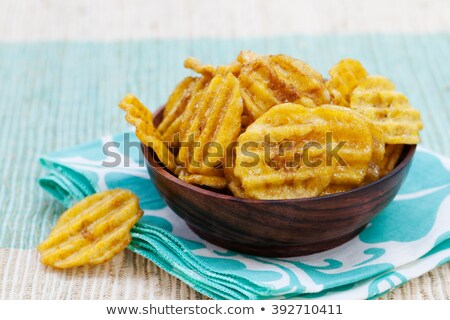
<point>203,180</point>
<point>281,155</point>
<point>379,99</point>
<point>270,80</point>
<point>210,124</point>
<point>333,188</point>
<point>344,78</point>
<point>177,103</point>
<point>378,150</point>
<point>137,113</point>
<point>352,138</point>
<point>211,71</point>
<point>233,183</point>
<point>307,102</point>
<point>245,56</point>
<point>390,112</point>
<point>139,116</point>
<point>92,231</point>
<point>374,83</point>
<point>390,159</point>
<point>179,95</point>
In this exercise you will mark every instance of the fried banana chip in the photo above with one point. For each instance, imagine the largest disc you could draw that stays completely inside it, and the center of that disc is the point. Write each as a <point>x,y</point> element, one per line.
<point>351,144</point>
<point>177,103</point>
<point>211,71</point>
<point>233,183</point>
<point>139,116</point>
<point>92,231</point>
<point>210,124</point>
<point>345,76</point>
<point>391,112</point>
<point>374,83</point>
<point>270,80</point>
<point>245,56</point>
<point>336,188</point>
<point>390,159</point>
<point>203,180</point>
<point>208,70</point>
<point>179,95</point>
<point>378,151</point>
<point>281,155</point>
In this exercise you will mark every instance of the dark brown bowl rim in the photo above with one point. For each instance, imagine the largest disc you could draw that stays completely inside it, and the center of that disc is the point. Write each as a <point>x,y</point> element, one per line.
<point>407,157</point>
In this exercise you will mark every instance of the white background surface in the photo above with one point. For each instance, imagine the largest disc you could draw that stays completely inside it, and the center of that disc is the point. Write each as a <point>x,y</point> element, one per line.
<point>136,19</point>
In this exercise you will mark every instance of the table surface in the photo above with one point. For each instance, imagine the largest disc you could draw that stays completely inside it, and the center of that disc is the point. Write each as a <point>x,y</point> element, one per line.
<point>129,276</point>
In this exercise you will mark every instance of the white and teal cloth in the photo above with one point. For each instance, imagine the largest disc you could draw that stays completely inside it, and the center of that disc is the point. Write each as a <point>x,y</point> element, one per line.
<point>410,237</point>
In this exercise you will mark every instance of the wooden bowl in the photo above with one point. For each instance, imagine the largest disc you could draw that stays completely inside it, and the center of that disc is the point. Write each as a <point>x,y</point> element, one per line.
<point>276,228</point>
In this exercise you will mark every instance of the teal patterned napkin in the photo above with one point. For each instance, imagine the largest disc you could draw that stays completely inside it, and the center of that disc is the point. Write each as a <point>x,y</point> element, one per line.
<point>410,237</point>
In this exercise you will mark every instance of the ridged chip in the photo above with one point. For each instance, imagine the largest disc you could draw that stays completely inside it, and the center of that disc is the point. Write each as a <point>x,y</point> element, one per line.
<point>210,124</point>
<point>352,140</point>
<point>179,95</point>
<point>390,112</point>
<point>270,156</point>
<point>374,83</point>
<point>267,81</point>
<point>390,159</point>
<point>378,151</point>
<point>208,70</point>
<point>345,76</point>
<point>233,183</point>
<point>215,182</point>
<point>92,231</point>
<point>139,116</point>
<point>177,103</point>
<point>245,56</point>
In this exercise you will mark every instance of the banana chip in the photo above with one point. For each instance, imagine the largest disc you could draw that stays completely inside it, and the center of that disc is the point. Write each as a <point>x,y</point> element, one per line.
<point>93,231</point>
<point>270,80</point>
<point>208,70</point>
<point>245,56</point>
<point>353,137</point>
<point>344,78</point>
<point>390,159</point>
<point>391,112</point>
<point>203,180</point>
<point>374,83</point>
<point>211,71</point>
<point>139,116</point>
<point>378,151</point>
<point>275,157</point>
<point>233,183</point>
<point>211,122</point>
<point>177,103</point>
<point>179,95</point>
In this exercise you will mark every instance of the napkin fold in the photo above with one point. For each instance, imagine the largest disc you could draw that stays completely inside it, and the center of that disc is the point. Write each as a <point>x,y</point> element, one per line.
<point>410,237</point>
